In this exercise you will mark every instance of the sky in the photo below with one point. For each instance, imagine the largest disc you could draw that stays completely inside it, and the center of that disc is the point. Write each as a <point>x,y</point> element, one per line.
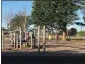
<point>16,6</point>
<point>80,15</point>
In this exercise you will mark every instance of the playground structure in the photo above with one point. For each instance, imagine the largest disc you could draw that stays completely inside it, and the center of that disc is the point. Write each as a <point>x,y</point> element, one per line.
<point>13,38</point>
<point>17,42</point>
<point>37,40</point>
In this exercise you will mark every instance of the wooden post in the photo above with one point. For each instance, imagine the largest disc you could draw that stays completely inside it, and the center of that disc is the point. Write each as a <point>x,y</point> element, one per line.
<point>44,38</point>
<point>14,40</point>
<point>26,38</point>
<point>2,47</point>
<point>31,41</point>
<point>11,36</point>
<point>34,38</point>
<point>38,38</point>
<point>20,39</point>
<point>25,34</point>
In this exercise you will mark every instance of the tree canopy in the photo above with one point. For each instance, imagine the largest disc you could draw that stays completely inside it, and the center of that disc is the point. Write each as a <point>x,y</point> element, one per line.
<point>19,21</point>
<point>73,32</point>
<point>82,3</point>
<point>57,13</point>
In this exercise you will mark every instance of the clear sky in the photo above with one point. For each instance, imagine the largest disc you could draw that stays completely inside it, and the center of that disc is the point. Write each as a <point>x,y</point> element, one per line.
<point>79,12</point>
<point>16,6</point>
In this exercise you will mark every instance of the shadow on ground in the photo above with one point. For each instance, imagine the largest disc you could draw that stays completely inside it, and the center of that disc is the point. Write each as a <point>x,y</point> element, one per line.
<point>55,53</point>
<point>60,57</point>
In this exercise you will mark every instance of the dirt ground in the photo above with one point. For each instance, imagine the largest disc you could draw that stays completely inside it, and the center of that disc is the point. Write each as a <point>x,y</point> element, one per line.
<point>61,46</point>
<point>62,52</point>
<point>68,47</point>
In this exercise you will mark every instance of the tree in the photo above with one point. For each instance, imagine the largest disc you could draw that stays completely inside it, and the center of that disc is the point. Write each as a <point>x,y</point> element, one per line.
<point>29,21</point>
<point>79,23</point>
<point>8,18</point>
<point>57,13</point>
<point>19,20</point>
<point>84,14</point>
<point>68,32</point>
<point>2,28</point>
<point>82,3</point>
<point>73,32</point>
<point>60,32</point>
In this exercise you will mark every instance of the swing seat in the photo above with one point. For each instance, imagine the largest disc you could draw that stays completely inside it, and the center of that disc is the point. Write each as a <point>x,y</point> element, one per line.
<point>22,40</point>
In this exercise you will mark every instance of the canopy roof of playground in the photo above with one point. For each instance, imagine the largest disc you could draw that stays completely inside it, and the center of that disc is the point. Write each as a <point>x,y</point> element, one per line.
<point>32,27</point>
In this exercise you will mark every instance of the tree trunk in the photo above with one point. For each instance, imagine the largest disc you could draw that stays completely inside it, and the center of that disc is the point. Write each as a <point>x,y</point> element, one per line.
<point>9,26</point>
<point>24,29</point>
<point>64,32</point>
<point>25,34</point>
<point>64,35</point>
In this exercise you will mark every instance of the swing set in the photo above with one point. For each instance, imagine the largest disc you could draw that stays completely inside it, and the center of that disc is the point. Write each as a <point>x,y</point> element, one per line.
<point>17,39</point>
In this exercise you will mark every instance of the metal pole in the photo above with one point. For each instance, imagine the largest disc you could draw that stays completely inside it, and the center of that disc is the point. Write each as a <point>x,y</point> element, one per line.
<point>38,38</point>
<point>44,38</point>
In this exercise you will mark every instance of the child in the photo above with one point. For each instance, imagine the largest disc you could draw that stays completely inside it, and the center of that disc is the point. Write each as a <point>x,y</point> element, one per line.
<point>49,37</point>
<point>57,37</point>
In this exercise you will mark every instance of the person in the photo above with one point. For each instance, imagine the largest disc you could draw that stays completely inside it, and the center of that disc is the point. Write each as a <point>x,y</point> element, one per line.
<point>57,38</point>
<point>28,36</point>
<point>50,37</point>
<point>34,39</point>
<point>25,38</point>
<point>11,37</point>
